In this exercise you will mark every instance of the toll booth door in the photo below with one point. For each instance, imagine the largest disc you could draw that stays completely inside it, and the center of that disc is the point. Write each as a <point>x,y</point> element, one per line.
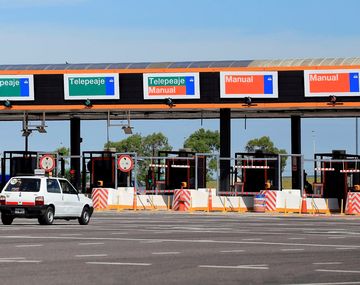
<point>22,166</point>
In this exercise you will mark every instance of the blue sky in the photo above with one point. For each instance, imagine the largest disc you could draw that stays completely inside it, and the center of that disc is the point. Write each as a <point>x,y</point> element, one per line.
<point>55,31</point>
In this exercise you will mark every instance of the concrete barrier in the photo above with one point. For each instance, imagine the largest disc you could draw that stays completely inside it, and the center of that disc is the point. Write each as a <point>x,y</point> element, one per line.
<point>287,201</point>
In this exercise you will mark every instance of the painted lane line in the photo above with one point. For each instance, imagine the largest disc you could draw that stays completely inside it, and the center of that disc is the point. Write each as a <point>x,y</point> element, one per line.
<point>327,283</point>
<point>338,271</point>
<point>327,263</point>
<point>70,235</point>
<point>29,245</point>
<point>90,255</point>
<point>119,263</point>
<point>234,250</point>
<point>182,241</point>
<point>252,239</point>
<point>91,243</point>
<point>29,261</point>
<point>346,248</point>
<point>165,252</point>
<point>119,233</point>
<point>340,237</point>
<point>257,266</point>
<point>296,238</point>
<point>292,249</point>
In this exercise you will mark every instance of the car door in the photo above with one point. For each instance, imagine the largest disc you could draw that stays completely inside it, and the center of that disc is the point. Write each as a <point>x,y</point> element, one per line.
<point>55,197</point>
<point>70,198</point>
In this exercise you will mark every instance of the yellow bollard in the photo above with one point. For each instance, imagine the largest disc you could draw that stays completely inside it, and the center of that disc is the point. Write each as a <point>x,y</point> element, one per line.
<point>342,207</point>
<point>168,203</point>
<point>224,210</point>
<point>327,208</point>
<point>239,209</point>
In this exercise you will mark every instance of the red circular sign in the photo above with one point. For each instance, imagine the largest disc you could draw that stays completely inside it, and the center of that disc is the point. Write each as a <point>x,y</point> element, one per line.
<point>47,162</point>
<point>125,163</point>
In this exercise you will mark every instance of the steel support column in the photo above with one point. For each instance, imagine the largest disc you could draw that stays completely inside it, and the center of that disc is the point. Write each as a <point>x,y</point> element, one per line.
<point>75,141</point>
<point>225,148</point>
<point>296,149</point>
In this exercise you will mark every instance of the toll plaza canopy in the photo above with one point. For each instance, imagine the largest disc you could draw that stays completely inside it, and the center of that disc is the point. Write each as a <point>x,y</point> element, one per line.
<point>325,87</point>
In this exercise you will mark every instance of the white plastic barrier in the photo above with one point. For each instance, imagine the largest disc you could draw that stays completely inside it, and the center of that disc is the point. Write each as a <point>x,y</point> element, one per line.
<point>287,200</point>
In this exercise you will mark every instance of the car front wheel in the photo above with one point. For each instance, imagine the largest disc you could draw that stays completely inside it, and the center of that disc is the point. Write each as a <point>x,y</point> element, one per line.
<point>85,216</point>
<point>7,219</point>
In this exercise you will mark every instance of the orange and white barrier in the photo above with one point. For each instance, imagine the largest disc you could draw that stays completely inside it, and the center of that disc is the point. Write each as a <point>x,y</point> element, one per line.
<point>270,200</point>
<point>100,197</point>
<point>352,203</point>
<point>182,200</point>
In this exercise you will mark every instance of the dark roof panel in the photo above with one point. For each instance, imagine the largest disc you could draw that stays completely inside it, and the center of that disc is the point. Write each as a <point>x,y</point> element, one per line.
<point>190,64</point>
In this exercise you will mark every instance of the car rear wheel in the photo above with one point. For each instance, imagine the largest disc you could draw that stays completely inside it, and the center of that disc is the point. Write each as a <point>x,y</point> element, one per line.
<point>85,216</point>
<point>48,217</point>
<point>7,219</point>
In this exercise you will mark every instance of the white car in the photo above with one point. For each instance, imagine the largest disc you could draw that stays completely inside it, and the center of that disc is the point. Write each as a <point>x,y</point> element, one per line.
<point>44,198</point>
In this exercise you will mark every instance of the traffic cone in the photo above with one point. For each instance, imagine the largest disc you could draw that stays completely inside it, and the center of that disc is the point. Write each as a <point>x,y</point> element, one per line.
<point>349,208</point>
<point>210,201</point>
<point>303,203</point>
<point>135,201</point>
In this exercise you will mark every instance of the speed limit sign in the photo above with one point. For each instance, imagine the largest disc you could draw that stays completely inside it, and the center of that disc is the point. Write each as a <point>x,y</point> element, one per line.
<point>47,162</point>
<point>125,163</point>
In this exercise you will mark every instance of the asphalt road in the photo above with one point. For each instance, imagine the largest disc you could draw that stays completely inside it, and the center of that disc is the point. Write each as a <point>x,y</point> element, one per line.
<point>172,248</point>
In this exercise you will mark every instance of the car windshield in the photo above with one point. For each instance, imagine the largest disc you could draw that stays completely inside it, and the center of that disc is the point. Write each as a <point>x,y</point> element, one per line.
<point>23,185</point>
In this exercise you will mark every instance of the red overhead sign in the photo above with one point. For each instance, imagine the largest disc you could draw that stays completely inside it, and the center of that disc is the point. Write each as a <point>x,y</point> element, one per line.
<point>319,83</point>
<point>248,84</point>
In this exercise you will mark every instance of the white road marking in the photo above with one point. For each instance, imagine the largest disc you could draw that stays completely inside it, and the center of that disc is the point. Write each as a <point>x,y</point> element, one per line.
<point>339,237</point>
<point>292,249</point>
<point>327,263</point>
<point>119,263</point>
<point>296,238</point>
<point>256,266</point>
<point>327,283</point>
<point>29,261</point>
<point>90,255</point>
<point>70,235</point>
<point>234,250</point>
<point>338,271</point>
<point>90,243</point>
<point>182,241</point>
<point>120,233</point>
<point>166,252</point>
<point>346,248</point>
<point>251,239</point>
<point>28,245</point>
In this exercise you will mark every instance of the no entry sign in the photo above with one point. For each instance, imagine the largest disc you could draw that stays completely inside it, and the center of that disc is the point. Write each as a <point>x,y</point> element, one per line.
<point>125,163</point>
<point>47,162</point>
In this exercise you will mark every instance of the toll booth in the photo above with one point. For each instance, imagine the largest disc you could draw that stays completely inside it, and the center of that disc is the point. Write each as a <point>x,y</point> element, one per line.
<point>175,168</point>
<point>335,174</point>
<point>98,170</point>
<point>15,163</point>
<point>254,172</point>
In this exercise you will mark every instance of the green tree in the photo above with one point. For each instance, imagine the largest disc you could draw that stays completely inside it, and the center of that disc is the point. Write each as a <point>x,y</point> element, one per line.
<point>205,141</point>
<point>132,143</point>
<point>155,142</point>
<point>147,146</point>
<point>267,146</point>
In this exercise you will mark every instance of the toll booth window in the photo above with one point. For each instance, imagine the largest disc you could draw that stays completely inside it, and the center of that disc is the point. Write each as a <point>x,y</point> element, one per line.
<point>67,187</point>
<point>53,186</point>
<point>23,185</point>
